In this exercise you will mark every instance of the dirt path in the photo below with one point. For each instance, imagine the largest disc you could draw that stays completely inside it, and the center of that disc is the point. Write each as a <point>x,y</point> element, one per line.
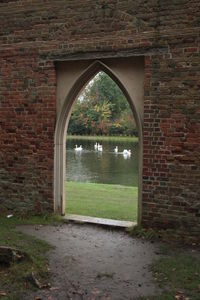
<point>91,262</point>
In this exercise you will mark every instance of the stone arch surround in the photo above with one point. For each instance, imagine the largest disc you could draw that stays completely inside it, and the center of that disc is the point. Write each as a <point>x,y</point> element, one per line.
<point>128,74</point>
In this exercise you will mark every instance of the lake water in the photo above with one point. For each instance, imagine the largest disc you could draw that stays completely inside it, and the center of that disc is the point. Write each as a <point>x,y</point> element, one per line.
<point>102,167</point>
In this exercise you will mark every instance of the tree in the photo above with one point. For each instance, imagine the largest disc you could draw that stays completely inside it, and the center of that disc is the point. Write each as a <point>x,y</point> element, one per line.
<point>103,88</point>
<point>102,109</point>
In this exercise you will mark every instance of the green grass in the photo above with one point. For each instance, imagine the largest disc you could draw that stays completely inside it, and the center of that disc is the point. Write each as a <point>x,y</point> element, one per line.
<point>178,273</point>
<point>102,200</point>
<point>104,138</point>
<point>29,220</point>
<point>13,279</point>
<point>179,270</point>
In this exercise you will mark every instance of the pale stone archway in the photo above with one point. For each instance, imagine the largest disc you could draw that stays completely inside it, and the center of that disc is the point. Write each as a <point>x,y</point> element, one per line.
<point>71,79</point>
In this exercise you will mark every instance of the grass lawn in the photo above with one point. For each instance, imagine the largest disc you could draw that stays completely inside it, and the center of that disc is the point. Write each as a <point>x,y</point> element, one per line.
<point>177,268</point>
<point>102,200</point>
<point>178,274</point>
<point>13,280</point>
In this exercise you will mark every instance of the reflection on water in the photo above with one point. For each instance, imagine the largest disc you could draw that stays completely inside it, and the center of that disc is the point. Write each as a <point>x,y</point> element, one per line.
<point>90,165</point>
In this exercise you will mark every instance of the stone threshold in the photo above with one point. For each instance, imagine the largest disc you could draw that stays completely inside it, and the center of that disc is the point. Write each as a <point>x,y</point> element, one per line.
<point>99,221</point>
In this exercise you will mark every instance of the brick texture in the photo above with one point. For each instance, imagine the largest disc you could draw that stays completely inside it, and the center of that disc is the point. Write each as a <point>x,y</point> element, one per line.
<point>33,34</point>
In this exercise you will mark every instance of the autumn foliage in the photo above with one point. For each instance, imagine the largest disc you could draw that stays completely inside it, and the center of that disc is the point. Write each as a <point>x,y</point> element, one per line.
<point>102,109</point>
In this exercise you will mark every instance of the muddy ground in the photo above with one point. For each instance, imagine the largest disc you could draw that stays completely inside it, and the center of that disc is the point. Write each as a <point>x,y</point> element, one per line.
<point>90,262</point>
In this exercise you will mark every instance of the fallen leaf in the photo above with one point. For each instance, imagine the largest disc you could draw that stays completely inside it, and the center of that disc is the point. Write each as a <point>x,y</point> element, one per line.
<point>9,216</point>
<point>180,295</point>
<point>3,294</point>
<point>54,288</point>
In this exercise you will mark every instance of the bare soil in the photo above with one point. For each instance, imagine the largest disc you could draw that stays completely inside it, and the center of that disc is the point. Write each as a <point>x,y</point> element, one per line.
<point>90,262</point>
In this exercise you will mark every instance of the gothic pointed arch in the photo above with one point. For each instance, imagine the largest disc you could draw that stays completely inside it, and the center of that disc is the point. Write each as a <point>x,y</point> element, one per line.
<point>61,129</point>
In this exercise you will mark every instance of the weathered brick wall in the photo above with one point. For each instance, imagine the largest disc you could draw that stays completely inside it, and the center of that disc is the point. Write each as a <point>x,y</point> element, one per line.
<point>171,170</point>
<point>34,34</point>
<point>27,117</point>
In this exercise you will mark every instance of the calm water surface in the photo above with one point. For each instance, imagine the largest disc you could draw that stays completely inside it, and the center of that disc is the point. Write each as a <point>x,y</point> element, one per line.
<point>102,167</point>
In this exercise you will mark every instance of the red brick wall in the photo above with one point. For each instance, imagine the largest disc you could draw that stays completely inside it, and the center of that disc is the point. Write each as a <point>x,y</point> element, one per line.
<point>171,164</point>
<point>27,118</point>
<point>33,34</point>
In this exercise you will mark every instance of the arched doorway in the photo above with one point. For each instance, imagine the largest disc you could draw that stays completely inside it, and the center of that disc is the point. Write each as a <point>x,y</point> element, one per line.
<point>80,80</point>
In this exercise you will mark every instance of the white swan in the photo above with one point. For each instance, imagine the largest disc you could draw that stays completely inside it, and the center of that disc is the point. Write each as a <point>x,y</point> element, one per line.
<point>127,152</point>
<point>100,147</point>
<point>116,149</point>
<point>96,146</point>
<point>78,148</point>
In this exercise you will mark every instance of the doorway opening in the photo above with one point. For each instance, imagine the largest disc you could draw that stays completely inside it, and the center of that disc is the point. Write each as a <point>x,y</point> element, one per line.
<point>102,153</point>
<point>91,73</point>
